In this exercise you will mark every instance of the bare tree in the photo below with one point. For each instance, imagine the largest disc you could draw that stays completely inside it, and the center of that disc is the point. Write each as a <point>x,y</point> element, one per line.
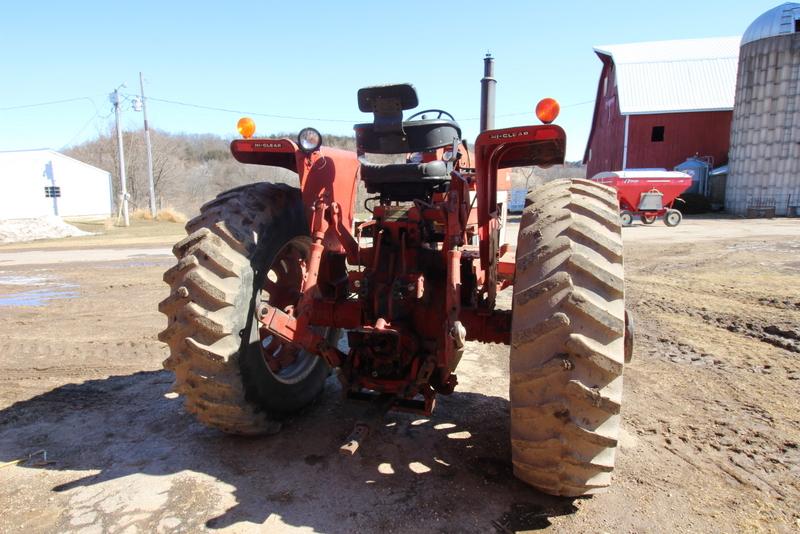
<point>188,170</point>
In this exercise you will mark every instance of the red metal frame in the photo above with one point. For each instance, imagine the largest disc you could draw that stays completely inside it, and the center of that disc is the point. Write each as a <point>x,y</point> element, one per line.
<point>500,149</point>
<point>328,175</point>
<point>408,304</point>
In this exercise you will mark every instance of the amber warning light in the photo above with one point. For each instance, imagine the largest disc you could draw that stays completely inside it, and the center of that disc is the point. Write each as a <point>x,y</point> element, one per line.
<point>547,110</point>
<point>246,127</point>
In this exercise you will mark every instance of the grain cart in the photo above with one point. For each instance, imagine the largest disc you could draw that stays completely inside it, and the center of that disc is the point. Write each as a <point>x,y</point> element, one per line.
<point>271,279</point>
<point>648,193</point>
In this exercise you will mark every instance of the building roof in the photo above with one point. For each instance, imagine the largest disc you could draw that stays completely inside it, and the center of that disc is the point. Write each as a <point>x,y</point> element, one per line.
<point>675,76</point>
<point>777,21</point>
<point>38,152</point>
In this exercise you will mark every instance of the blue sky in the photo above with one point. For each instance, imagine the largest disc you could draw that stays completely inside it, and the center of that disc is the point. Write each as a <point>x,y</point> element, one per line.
<point>308,59</point>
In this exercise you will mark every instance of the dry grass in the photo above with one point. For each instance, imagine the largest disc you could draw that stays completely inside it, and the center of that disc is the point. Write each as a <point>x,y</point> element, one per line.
<point>171,215</point>
<point>141,214</point>
<point>164,215</point>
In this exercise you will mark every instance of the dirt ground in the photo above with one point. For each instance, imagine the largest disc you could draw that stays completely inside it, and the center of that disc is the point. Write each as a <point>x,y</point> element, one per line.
<point>711,409</point>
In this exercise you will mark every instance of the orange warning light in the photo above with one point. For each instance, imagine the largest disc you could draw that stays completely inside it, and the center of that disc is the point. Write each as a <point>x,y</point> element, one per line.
<point>246,127</point>
<point>547,110</point>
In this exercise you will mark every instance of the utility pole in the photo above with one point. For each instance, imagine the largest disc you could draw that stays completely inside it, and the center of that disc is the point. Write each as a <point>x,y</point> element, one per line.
<point>149,150</point>
<point>114,97</point>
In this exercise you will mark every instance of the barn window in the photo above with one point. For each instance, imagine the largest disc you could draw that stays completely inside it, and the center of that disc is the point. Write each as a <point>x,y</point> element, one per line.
<point>52,191</point>
<point>657,134</point>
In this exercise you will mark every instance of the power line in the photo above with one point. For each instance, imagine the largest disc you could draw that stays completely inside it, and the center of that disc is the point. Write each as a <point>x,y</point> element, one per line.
<point>244,112</point>
<point>97,114</point>
<point>528,112</point>
<point>50,103</point>
<point>241,112</point>
<point>86,125</point>
<point>318,119</point>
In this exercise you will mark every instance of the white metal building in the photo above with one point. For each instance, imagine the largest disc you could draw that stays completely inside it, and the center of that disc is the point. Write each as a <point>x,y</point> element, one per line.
<point>35,183</point>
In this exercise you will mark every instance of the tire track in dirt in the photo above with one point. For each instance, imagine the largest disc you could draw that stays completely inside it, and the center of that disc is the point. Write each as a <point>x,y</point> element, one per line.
<point>734,330</point>
<point>781,333</point>
<point>712,433</point>
<point>43,356</point>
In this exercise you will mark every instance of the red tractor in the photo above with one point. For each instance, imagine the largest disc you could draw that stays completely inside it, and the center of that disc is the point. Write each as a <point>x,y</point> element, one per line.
<point>275,285</point>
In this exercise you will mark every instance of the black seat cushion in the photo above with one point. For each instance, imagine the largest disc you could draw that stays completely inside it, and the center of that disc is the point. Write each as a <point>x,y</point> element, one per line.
<point>404,172</point>
<point>417,136</point>
<point>405,181</point>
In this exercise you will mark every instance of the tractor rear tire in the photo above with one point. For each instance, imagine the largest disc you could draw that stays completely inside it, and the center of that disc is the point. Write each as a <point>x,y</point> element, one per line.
<point>216,358</point>
<point>567,338</point>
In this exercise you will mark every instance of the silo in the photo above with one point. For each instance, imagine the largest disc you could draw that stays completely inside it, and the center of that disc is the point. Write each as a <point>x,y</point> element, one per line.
<point>764,157</point>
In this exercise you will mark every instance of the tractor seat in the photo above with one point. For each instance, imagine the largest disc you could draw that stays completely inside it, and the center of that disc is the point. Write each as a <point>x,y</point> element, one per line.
<point>412,136</point>
<point>405,181</point>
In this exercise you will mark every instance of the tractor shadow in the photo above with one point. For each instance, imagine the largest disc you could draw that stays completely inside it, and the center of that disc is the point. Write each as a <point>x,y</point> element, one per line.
<point>157,466</point>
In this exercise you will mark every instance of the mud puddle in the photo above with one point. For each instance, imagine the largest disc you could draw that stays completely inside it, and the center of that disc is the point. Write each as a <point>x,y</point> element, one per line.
<point>43,289</point>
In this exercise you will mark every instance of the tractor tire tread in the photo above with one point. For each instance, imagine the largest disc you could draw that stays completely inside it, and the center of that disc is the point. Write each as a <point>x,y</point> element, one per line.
<point>205,313</point>
<point>567,340</point>
<point>590,191</point>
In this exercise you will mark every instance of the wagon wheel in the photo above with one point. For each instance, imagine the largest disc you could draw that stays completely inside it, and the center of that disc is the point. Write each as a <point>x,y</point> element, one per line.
<point>673,218</point>
<point>647,218</point>
<point>625,218</point>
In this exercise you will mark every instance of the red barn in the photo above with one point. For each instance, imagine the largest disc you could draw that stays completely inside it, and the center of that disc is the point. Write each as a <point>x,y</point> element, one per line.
<point>661,102</point>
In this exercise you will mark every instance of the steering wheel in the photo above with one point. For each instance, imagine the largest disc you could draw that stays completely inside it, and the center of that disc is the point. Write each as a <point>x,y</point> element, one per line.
<point>432,110</point>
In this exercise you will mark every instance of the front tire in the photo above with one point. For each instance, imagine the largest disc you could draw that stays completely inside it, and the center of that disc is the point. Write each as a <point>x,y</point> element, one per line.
<point>625,218</point>
<point>217,362</point>
<point>567,339</point>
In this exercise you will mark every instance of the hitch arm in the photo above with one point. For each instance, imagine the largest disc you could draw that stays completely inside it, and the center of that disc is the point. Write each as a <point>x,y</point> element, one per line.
<point>286,328</point>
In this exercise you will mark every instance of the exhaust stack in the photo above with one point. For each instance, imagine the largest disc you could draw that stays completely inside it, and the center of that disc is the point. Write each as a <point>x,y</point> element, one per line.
<point>488,84</point>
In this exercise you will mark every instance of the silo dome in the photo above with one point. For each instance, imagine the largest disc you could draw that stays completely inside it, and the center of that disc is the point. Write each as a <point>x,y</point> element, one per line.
<point>777,21</point>
<point>764,156</point>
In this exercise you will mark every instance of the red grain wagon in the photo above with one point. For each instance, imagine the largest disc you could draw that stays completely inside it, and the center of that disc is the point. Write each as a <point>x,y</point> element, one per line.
<point>648,194</point>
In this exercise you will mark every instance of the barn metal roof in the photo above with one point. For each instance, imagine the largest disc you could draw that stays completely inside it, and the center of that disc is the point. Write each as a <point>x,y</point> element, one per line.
<point>675,76</point>
<point>777,21</point>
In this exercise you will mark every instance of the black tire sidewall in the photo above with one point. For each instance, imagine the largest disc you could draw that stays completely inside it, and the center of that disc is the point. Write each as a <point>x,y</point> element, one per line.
<point>277,398</point>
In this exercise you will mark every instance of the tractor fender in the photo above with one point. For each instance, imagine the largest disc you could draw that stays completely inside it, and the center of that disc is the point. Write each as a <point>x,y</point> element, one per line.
<point>328,174</point>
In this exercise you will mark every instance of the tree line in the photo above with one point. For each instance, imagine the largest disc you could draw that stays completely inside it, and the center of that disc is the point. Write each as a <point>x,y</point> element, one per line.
<point>190,169</point>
